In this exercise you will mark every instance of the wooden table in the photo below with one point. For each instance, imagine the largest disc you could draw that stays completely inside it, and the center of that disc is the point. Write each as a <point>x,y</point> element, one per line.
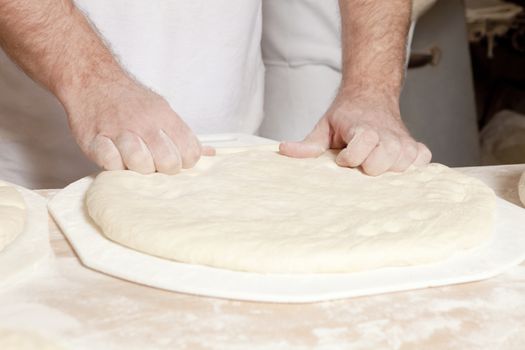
<point>84,309</point>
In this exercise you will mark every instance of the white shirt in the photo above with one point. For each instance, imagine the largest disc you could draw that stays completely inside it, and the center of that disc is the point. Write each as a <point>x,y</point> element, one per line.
<point>202,56</point>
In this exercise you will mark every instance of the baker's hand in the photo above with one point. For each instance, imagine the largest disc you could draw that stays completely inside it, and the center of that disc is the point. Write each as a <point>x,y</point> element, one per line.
<point>370,132</point>
<point>123,125</point>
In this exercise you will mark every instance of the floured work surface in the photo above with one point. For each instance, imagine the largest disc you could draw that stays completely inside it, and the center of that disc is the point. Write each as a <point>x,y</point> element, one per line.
<point>27,222</point>
<point>259,211</point>
<point>505,250</point>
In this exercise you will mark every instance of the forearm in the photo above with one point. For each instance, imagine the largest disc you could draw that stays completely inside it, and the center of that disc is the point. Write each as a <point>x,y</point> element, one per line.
<point>374,39</point>
<point>52,41</point>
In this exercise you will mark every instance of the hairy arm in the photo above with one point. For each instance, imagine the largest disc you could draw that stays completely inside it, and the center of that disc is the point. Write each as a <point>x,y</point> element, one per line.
<point>374,40</point>
<point>364,119</point>
<point>52,41</point>
<point>117,122</point>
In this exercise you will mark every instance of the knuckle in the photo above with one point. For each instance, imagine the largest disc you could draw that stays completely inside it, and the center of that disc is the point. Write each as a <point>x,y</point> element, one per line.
<point>410,150</point>
<point>86,145</point>
<point>136,158</point>
<point>110,161</point>
<point>393,148</point>
<point>169,166</point>
<point>191,159</point>
<point>343,159</point>
<point>370,170</point>
<point>149,134</point>
<point>369,137</point>
<point>377,163</point>
<point>402,167</point>
<point>353,158</point>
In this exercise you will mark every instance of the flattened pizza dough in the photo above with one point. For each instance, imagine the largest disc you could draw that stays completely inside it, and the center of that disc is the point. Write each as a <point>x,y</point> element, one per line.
<point>259,211</point>
<point>12,214</point>
<point>25,340</point>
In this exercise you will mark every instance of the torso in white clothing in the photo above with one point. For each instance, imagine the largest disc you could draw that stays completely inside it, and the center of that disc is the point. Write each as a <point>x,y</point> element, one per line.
<point>202,56</point>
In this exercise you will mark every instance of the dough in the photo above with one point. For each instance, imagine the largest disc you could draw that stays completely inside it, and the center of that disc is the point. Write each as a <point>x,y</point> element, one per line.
<point>12,214</point>
<point>25,340</point>
<point>259,211</point>
<point>521,188</point>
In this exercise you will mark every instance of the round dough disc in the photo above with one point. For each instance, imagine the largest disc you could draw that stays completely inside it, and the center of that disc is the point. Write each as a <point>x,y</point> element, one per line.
<point>12,214</point>
<point>259,211</point>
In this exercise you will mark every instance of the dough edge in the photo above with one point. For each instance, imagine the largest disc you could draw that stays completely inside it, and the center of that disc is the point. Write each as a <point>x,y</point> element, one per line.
<point>477,219</point>
<point>12,214</point>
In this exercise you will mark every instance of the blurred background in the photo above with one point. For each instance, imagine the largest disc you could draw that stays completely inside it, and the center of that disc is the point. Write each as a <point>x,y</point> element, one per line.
<point>464,94</point>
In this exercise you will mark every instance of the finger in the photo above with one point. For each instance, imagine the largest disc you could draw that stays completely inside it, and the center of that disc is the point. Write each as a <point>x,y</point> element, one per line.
<point>383,156</point>
<point>424,156</point>
<point>301,149</point>
<point>315,144</point>
<point>362,143</point>
<point>134,153</point>
<point>190,148</point>
<point>409,152</point>
<point>164,152</point>
<point>104,152</point>
<point>208,151</point>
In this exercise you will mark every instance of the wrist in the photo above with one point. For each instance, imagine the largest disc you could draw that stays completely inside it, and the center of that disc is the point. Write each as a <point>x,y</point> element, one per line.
<point>370,95</point>
<point>386,80</point>
<point>80,88</point>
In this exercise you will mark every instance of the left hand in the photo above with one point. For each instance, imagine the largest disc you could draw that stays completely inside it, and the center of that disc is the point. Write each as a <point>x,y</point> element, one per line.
<point>370,132</point>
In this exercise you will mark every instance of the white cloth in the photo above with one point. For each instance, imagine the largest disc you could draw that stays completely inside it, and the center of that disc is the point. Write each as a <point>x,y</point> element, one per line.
<point>202,56</point>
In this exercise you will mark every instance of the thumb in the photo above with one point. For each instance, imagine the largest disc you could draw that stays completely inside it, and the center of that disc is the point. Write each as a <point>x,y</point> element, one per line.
<point>315,144</point>
<point>208,151</point>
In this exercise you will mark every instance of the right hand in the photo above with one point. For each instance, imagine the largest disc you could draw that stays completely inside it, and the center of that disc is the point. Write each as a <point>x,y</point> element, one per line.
<point>123,125</point>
